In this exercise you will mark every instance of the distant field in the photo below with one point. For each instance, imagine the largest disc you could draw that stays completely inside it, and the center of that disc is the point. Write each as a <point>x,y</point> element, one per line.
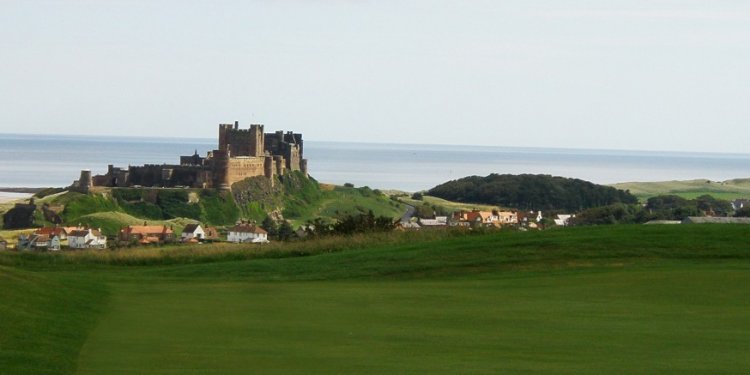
<point>728,190</point>
<point>615,299</point>
<point>447,205</point>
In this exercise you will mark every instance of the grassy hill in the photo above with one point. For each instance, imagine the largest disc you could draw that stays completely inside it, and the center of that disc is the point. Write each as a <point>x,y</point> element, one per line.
<point>614,299</point>
<point>292,197</point>
<point>690,189</point>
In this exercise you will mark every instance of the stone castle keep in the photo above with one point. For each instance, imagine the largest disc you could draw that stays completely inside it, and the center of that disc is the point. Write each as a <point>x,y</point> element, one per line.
<point>242,153</point>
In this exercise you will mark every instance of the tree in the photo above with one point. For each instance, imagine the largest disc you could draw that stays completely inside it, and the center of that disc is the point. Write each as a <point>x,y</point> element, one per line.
<point>270,226</point>
<point>285,231</point>
<point>742,212</point>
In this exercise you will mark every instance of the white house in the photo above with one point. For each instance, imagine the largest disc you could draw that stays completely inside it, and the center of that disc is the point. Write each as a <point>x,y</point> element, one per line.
<point>87,239</point>
<point>247,233</point>
<point>193,231</point>
<point>563,219</point>
<point>39,242</point>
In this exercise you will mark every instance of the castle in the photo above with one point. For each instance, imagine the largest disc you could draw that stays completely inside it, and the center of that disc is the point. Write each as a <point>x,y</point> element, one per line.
<point>242,153</point>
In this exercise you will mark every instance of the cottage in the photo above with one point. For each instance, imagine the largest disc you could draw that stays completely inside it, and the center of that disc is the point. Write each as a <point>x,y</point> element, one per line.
<point>484,218</point>
<point>146,234</point>
<point>53,231</point>
<point>39,242</point>
<point>438,221</point>
<point>247,233</point>
<point>408,225</point>
<point>193,232</point>
<point>87,239</point>
<point>563,220</point>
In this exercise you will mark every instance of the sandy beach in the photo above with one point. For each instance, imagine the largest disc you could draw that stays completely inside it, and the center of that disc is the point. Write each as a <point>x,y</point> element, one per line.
<point>6,197</point>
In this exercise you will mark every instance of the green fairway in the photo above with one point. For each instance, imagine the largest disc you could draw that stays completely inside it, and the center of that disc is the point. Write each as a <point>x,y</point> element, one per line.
<point>621,299</point>
<point>678,318</point>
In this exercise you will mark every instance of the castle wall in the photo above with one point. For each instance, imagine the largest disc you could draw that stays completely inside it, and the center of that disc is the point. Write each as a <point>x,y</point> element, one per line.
<point>241,168</point>
<point>242,153</point>
<point>292,157</point>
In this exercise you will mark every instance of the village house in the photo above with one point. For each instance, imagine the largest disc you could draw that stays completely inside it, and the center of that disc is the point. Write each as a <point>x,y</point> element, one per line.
<point>483,218</point>
<point>146,234</point>
<point>247,233</point>
<point>563,220</point>
<point>61,232</point>
<point>408,225</point>
<point>438,221</point>
<point>193,233</point>
<point>87,239</point>
<point>38,242</point>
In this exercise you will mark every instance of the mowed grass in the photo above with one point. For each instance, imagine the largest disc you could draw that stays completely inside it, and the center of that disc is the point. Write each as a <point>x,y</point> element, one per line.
<point>620,299</point>
<point>671,318</point>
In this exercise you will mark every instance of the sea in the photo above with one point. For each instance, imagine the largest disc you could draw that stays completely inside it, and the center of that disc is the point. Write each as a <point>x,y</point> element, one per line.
<point>55,161</point>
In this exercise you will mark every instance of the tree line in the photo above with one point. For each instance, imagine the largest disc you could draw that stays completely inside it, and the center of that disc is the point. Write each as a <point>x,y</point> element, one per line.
<point>531,192</point>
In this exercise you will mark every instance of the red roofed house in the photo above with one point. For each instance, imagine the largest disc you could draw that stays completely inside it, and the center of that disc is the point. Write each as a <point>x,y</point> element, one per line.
<point>247,233</point>
<point>60,232</point>
<point>146,234</point>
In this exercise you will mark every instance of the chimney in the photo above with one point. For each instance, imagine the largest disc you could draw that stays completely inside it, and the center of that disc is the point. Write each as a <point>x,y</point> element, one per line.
<point>236,125</point>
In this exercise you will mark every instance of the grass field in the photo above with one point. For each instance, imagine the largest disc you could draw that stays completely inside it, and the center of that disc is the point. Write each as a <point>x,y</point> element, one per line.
<point>447,206</point>
<point>618,299</point>
<point>336,201</point>
<point>690,189</point>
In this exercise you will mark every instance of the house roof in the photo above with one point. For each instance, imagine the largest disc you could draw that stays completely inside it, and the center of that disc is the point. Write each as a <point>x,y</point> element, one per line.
<point>248,228</point>
<point>191,228</point>
<point>84,233</point>
<point>50,231</point>
<point>146,229</point>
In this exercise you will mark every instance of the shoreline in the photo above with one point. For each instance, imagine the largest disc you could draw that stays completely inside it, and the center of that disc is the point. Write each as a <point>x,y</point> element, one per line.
<point>11,196</point>
<point>25,190</point>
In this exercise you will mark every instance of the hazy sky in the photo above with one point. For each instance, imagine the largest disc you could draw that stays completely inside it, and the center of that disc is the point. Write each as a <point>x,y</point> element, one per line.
<point>632,74</point>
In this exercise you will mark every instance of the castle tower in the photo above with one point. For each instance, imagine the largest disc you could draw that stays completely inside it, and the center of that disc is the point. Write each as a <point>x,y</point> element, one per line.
<point>221,168</point>
<point>303,167</point>
<point>224,130</point>
<point>279,162</point>
<point>122,178</point>
<point>268,167</point>
<point>257,140</point>
<point>85,182</point>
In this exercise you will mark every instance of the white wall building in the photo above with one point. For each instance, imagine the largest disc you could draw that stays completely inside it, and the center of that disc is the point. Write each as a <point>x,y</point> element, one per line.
<point>87,239</point>
<point>193,231</point>
<point>247,233</point>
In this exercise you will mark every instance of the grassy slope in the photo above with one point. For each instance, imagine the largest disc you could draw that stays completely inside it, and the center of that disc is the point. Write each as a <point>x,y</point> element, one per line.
<point>447,205</point>
<point>340,200</point>
<point>729,190</point>
<point>582,300</point>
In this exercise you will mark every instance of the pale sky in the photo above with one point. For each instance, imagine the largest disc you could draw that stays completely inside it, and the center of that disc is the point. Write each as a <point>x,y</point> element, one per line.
<point>631,74</point>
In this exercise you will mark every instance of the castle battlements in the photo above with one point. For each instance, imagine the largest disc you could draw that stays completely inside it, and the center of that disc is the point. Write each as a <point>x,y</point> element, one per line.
<point>241,153</point>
